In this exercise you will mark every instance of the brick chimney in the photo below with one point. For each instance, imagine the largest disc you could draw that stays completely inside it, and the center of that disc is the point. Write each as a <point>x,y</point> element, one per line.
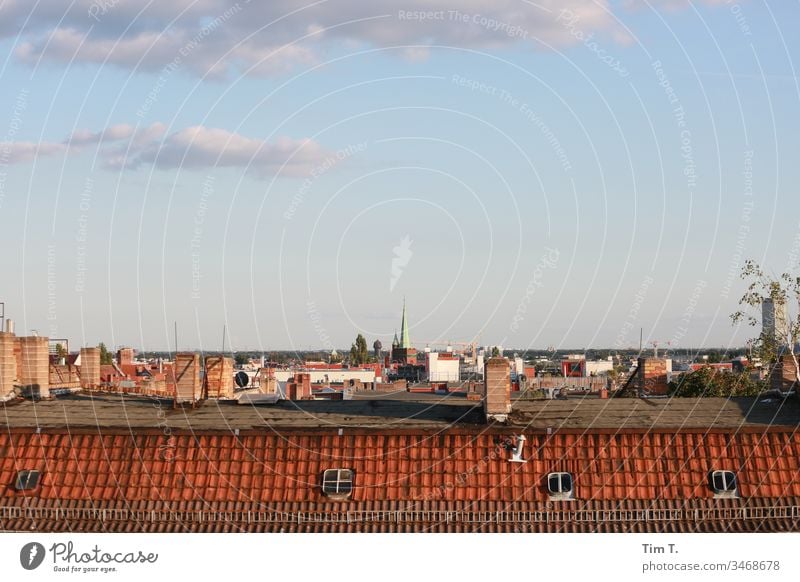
<point>651,377</point>
<point>125,356</point>
<point>187,377</point>
<point>497,389</point>
<point>782,376</point>
<point>303,381</point>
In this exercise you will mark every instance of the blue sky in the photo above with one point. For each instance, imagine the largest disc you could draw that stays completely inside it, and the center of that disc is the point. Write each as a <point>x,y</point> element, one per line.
<point>531,174</point>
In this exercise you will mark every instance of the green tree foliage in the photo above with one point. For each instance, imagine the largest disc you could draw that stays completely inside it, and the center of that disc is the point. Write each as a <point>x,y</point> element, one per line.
<point>708,382</point>
<point>61,351</point>
<point>495,352</point>
<point>105,355</point>
<point>240,359</point>
<point>783,291</point>
<point>359,354</point>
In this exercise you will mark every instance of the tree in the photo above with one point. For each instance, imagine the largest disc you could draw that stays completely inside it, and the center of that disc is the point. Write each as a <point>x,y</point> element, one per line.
<point>495,352</point>
<point>61,351</point>
<point>105,355</point>
<point>708,382</point>
<point>359,354</point>
<point>783,291</point>
<point>241,359</point>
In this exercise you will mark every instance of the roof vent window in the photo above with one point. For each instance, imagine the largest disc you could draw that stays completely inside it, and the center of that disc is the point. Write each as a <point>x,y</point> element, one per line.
<point>337,483</point>
<point>27,480</point>
<point>560,485</point>
<point>723,483</point>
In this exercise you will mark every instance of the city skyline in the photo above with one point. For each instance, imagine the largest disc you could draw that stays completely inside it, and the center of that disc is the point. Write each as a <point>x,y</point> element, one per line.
<point>560,176</point>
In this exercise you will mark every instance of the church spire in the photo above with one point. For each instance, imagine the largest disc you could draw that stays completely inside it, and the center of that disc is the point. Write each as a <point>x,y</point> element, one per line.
<point>405,342</point>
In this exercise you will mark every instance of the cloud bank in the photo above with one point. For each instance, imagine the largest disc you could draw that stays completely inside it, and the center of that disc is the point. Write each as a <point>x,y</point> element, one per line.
<point>125,146</point>
<point>214,37</point>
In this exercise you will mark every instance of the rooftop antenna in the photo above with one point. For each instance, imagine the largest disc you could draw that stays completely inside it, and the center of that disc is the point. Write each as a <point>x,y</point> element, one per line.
<point>176,337</point>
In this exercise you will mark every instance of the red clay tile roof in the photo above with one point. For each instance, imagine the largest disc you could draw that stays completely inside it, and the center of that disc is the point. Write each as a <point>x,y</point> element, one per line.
<point>270,482</point>
<point>420,463</point>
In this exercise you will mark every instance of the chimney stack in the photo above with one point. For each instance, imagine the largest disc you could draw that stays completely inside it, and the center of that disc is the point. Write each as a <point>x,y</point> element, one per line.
<point>8,365</point>
<point>783,374</point>
<point>187,377</point>
<point>219,377</point>
<point>125,356</point>
<point>497,390</point>
<point>34,372</point>
<point>652,377</point>
<point>90,368</point>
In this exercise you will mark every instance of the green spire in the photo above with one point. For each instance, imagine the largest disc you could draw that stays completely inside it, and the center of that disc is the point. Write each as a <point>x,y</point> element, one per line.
<point>404,341</point>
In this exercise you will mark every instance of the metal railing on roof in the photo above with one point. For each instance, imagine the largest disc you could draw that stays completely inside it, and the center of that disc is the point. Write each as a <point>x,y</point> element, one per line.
<point>401,516</point>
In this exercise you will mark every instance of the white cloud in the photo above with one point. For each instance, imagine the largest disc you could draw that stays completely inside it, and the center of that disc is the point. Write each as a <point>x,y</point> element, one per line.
<point>113,133</point>
<point>213,36</point>
<point>20,152</point>
<point>203,147</point>
<point>123,146</point>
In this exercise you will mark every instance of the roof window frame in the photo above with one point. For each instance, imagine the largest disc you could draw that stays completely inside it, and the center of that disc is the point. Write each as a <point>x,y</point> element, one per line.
<point>343,480</point>
<point>561,494</point>
<point>27,480</point>
<point>730,483</point>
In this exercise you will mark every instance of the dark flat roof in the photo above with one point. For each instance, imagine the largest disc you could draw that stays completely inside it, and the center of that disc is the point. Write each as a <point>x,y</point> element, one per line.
<point>401,411</point>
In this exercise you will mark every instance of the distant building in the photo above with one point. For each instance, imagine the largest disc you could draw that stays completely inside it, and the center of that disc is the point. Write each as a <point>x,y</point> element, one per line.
<point>442,366</point>
<point>718,366</point>
<point>402,351</point>
<point>773,320</point>
<point>577,366</point>
<point>336,375</point>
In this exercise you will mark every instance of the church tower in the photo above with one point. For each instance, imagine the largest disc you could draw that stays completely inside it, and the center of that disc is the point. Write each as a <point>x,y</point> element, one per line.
<point>402,351</point>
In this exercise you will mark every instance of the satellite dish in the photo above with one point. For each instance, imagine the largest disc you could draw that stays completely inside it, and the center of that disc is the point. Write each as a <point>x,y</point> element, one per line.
<point>241,379</point>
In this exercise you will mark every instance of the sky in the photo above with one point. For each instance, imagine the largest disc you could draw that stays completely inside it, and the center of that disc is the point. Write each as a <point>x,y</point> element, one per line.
<point>528,174</point>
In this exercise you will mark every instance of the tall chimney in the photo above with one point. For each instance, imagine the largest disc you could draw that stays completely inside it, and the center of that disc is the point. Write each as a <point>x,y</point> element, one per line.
<point>34,373</point>
<point>219,377</point>
<point>652,377</point>
<point>125,356</point>
<point>8,365</point>
<point>9,326</point>
<point>497,389</point>
<point>187,377</point>
<point>90,368</point>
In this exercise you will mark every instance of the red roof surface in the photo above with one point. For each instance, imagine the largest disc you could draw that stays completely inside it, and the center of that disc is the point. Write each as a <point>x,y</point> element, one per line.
<point>269,467</point>
<point>456,472</point>
<point>420,463</point>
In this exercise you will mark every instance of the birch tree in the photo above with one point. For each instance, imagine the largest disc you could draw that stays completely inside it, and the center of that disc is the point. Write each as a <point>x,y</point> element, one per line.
<point>784,292</point>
